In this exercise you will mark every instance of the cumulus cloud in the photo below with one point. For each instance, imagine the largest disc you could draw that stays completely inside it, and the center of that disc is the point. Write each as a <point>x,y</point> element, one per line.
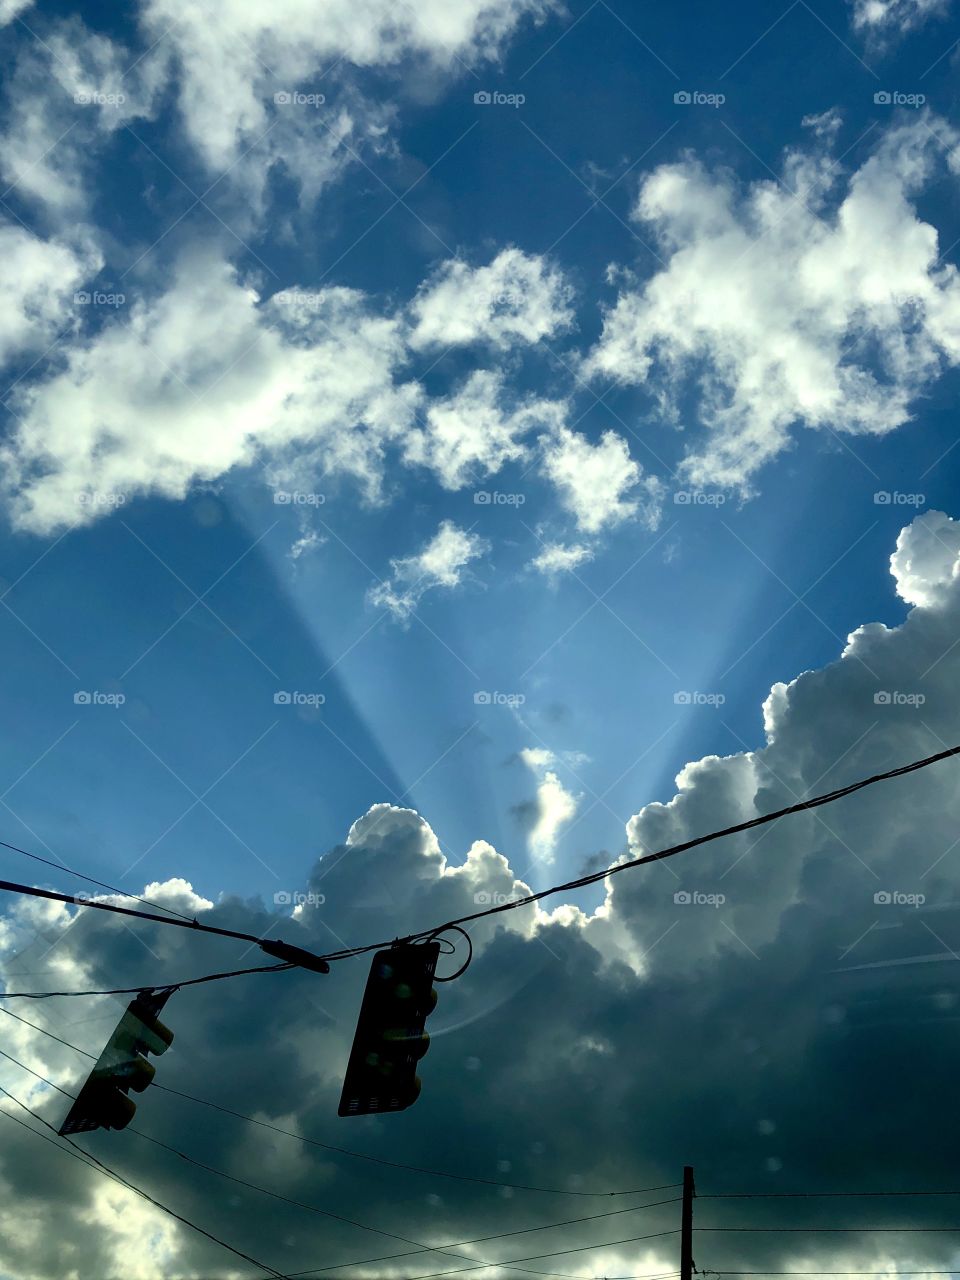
<point>600,484</point>
<point>753,948</point>
<point>518,298</point>
<point>37,289</point>
<point>440,563</point>
<point>475,431</point>
<point>926,563</point>
<point>199,379</point>
<point>788,304</point>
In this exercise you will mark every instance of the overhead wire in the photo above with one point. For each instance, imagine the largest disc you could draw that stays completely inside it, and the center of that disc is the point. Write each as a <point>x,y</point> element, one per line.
<point>99,1167</point>
<point>156,986</point>
<point>581,882</point>
<point>102,884</point>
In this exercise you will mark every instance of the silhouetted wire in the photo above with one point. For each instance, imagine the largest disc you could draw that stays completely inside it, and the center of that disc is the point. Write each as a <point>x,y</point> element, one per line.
<point>812,1195</point>
<point>825,1230</point>
<point>60,866</point>
<point>582,882</point>
<point>157,986</point>
<point>466,964</point>
<point>91,1161</point>
<point>352,1222</point>
<point>358,1155</point>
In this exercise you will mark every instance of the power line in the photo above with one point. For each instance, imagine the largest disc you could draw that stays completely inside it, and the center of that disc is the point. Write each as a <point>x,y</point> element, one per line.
<point>359,1155</point>
<point>61,866</point>
<point>100,1167</point>
<point>285,951</point>
<point>815,802</point>
<point>280,950</point>
<point>826,1230</point>
<point>299,1204</point>
<point>157,986</point>
<point>812,1195</point>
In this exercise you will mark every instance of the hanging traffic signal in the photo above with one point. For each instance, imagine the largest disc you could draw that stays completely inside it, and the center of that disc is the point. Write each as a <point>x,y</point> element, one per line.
<point>390,1039</point>
<point>103,1102</point>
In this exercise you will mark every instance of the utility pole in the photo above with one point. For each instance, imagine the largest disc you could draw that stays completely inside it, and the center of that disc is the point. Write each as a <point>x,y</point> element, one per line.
<point>686,1225</point>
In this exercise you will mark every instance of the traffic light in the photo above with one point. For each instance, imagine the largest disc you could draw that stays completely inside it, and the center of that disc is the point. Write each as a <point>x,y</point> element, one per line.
<point>390,1039</point>
<point>103,1102</point>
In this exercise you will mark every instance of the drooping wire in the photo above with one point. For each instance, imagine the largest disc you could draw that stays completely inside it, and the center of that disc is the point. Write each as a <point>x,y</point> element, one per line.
<point>102,884</point>
<point>98,1166</point>
<point>359,1155</point>
<point>157,986</point>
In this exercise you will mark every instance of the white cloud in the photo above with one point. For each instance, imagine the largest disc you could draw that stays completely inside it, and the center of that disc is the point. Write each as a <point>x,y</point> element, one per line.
<point>9,9</point>
<point>926,563</point>
<point>775,306</point>
<point>553,807</point>
<point>555,558</point>
<point>200,379</point>
<point>599,484</point>
<point>471,433</point>
<point>37,287</point>
<point>557,1000</point>
<point>233,57</point>
<point>440,563</point>
<point>900,16</point>
<point>518,298</point>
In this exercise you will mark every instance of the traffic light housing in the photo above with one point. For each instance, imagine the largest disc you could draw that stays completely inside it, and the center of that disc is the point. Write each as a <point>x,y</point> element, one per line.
<point>390,1038</point>
<point>104,1102</point>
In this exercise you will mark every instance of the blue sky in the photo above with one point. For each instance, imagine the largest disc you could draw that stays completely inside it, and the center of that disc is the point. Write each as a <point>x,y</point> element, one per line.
<point>365,442</point>
<point>705,600</point>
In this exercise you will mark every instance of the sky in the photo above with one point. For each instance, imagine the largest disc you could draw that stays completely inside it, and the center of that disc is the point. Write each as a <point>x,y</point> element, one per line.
<point>446,449</point>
